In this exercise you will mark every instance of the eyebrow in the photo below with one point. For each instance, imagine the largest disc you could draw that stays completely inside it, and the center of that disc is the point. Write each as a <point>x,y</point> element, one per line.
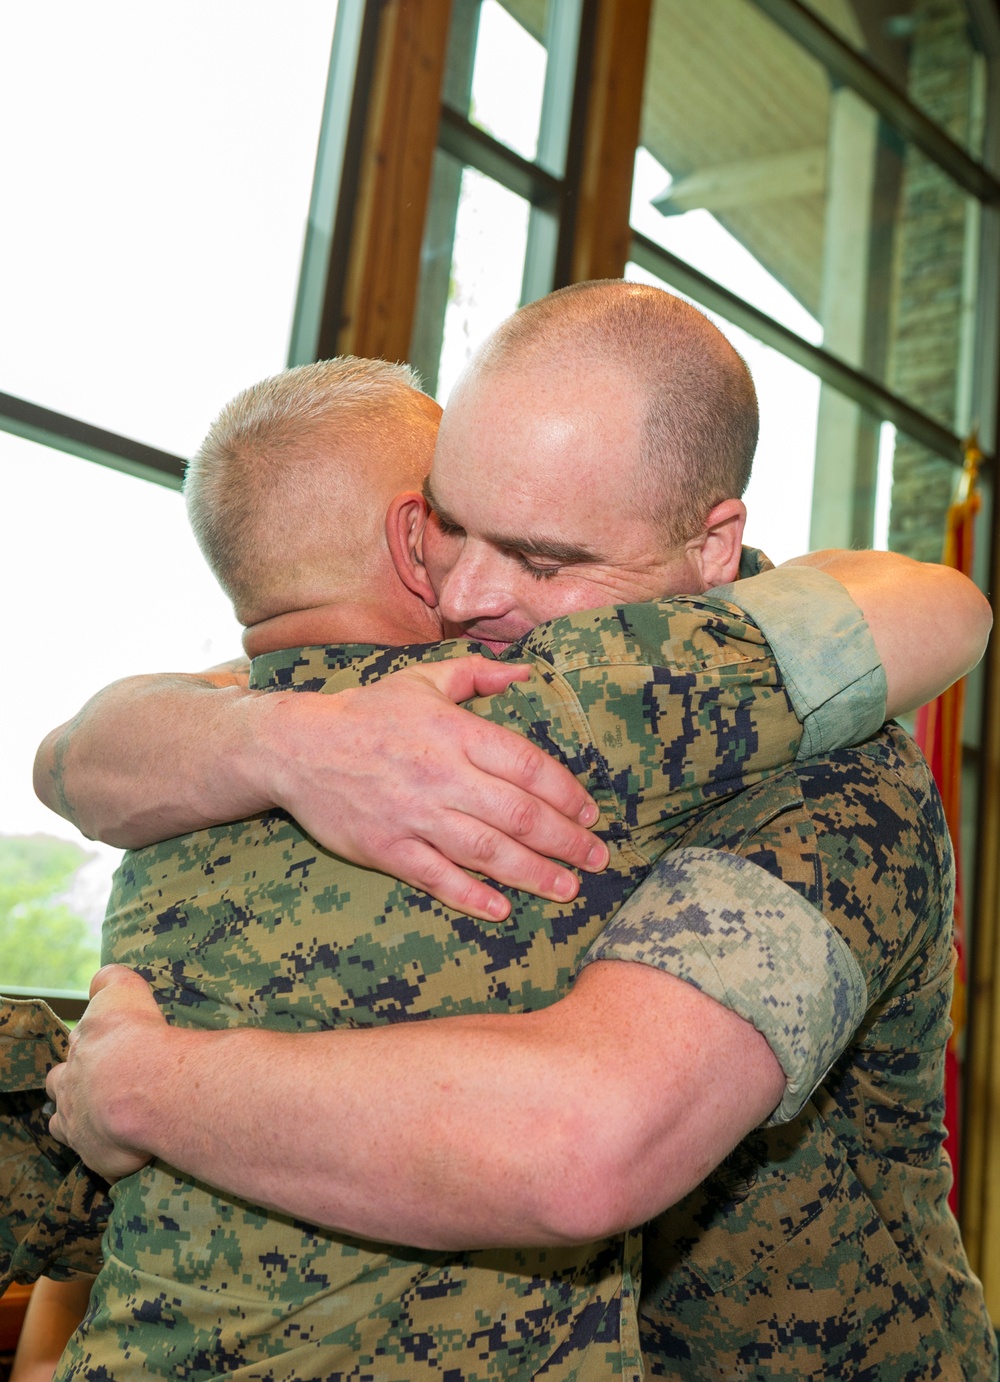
<point>568,553</point>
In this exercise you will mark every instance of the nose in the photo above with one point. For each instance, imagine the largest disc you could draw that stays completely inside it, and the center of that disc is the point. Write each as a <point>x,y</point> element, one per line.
<point>475,587</point>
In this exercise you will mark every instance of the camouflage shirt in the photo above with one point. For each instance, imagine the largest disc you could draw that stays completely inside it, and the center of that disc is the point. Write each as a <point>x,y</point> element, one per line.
<point>659,709</point>
<point>54,1209</point>
<point>818,906</point>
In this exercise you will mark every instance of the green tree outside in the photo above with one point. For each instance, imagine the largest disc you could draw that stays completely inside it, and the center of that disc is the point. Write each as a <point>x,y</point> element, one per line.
<point>43,942</point>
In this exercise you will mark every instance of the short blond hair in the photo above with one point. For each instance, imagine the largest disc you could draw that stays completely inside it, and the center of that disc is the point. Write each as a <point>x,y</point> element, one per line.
<point>287,493</point>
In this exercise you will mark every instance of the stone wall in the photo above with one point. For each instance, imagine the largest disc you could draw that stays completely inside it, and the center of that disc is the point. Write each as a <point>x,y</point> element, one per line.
<point>925,359</point>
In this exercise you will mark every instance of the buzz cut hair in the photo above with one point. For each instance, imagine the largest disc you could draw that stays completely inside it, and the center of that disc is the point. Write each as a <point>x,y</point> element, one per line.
<point>700,420</point>
<point>267,459</point>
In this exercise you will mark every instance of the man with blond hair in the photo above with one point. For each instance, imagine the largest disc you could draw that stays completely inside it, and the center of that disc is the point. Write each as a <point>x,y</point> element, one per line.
<point>259,491</point>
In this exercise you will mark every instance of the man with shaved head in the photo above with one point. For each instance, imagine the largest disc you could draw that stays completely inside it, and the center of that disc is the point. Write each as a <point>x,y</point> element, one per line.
<point>665,385</point>
<point>561,395</point>
<point>565,1123</point>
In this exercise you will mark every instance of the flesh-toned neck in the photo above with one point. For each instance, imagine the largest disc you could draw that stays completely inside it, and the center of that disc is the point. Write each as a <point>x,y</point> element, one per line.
<point>356,621</point>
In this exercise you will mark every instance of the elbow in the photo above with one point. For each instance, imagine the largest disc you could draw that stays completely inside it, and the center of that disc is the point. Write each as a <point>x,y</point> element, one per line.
<point>982,619</point>
<point>600,1179</point>
<point>43,773</point>
<point>96,819</point>
<point>953,626</point>
<point>48,780</point>
<point>968,615</point>
<point>591,1206</point>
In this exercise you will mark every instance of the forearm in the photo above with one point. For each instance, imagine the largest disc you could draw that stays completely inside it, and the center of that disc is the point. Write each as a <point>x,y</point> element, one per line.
<point>152,757</point>
<point>417,1134</point>
<point>54,1312</point>
<point>558,1126</point>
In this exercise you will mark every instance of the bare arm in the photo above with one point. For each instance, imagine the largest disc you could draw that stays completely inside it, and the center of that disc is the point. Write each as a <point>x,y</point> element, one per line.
<point>96,769</point>
<point>556,1126</point>
<point>153,757</point>
<point>54,1311</point>
<point>930,623</point>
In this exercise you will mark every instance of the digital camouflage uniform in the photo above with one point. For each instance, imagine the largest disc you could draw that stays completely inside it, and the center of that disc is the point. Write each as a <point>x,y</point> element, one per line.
<point>823,1246</point>
<point>54,1209</point>
<point>658,709</point>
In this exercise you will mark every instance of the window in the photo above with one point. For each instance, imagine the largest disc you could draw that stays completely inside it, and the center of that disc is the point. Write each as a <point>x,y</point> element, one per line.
<point>156,194</point>
<point>804,202</point>
<point>493,223</point>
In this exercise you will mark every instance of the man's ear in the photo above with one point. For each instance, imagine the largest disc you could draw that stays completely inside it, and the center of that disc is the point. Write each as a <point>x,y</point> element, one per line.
<point>404,530</point>
<point>717,549</point>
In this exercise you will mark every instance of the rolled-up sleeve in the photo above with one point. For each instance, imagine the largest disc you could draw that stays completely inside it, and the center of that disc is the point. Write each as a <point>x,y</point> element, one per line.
<point>822,643</point>
<point>752,943</point>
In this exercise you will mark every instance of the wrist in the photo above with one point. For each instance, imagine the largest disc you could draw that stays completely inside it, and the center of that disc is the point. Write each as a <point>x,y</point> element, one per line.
<point>147,1092</point>
<point>248,751</point>
<point>190,1109</point>
<point>290,732</point>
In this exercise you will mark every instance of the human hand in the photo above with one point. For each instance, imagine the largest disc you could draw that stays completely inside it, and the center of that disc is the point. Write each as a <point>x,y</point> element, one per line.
<point>397,776</point>
<point>91,1089</point>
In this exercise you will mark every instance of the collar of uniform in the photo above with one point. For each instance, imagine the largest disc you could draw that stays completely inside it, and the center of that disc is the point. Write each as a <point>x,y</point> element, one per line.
<point>299,667</point>
<point>753,562</point>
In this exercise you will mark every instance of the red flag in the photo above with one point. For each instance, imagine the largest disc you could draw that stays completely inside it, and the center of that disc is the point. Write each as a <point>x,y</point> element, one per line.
<point>939,734</point>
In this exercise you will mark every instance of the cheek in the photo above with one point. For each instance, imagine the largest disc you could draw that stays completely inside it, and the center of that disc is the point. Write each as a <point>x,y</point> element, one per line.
<point>544,600</point>
<point>440,553</point>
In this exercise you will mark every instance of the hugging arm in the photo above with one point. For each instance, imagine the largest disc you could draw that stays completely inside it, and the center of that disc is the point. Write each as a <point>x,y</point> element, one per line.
<point>91,770</point>
<point>395,776</point>
<point>557,1126</point>
<point>153,757</point>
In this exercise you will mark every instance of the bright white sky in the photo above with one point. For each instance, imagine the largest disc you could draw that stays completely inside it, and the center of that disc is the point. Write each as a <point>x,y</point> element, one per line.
<point>161,182</point>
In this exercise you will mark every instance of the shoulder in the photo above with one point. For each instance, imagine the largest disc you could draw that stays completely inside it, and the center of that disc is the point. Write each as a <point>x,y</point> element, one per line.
<point>887,790</point>
<point>686,633</point>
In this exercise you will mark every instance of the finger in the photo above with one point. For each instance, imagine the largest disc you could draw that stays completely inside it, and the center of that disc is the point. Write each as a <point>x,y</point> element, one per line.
<point>505,755</point>
<point>489,677</point>
<point>57,1130</point>
<point>422,866</point>
<point>460,798</point>
<point>469,844</point>
<point>109,975</point>
<point>505,860</point>
<point>461,678</point>
<point>487,807</point>
<point>542,831</point>
<point>52,1081</point>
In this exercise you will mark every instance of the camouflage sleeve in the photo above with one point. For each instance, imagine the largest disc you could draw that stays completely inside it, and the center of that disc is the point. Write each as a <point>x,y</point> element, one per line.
<point>54,1209</point>
<point>836,875</point>
<point>32,1041</point>
<point>753,944</point>
<point>820,640</point>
